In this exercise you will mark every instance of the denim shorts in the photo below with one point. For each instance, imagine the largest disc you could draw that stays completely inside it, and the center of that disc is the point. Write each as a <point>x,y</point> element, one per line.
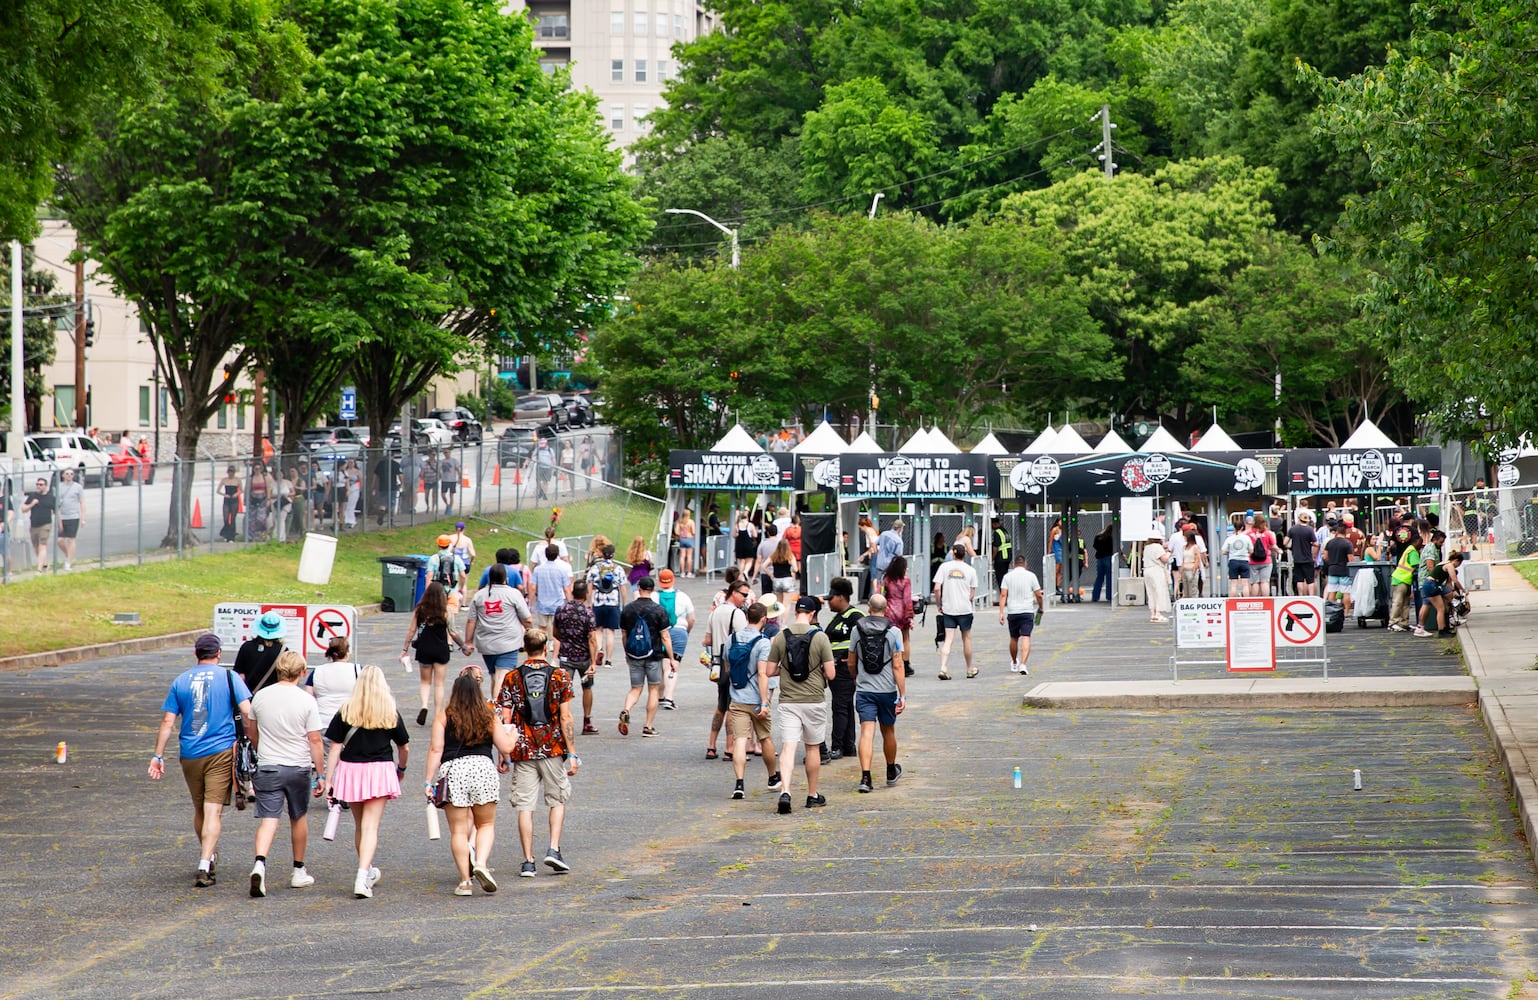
<point>1238,569</point>
<point>880,708</point>
<point>501,661</point>
<point>279,785</point>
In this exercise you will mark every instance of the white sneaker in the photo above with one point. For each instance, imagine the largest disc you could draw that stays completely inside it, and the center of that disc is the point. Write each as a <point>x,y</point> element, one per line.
<point>361,888</point>
<point>1024,669</point>
<point>302,879</point>
<point>1014,668</point>
<point>258,880</point>
<point>373,877</point>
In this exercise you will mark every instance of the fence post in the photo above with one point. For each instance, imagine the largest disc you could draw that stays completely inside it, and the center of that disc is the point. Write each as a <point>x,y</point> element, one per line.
<point>101,518</point>
<point>139,537</point>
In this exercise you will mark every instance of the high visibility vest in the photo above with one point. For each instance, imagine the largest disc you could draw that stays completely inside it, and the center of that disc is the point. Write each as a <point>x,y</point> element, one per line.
<point>1001,545</point>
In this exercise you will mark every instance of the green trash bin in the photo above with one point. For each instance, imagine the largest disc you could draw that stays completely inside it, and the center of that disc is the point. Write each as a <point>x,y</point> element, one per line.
<point>398,582</point>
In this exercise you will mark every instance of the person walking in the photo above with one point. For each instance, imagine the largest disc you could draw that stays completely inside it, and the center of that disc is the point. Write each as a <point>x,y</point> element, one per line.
<point>876,660</point>
<point>535,700</point>
<point>889,545</point>
<point>1020,601</point>
<point>784,568</point>
<point>687,529</point>
<point>368,759</point>
<point>229,489</point>
<point>498,618</point>
<point>465,740</point>
<point>1104,545</point>
<point>606,582</point>
<point>462,545</point>
<point>746,666</point>
<point>428,481</point>
<point>640,560</point>
<point>680,609</point>
<point>576,638</point>
<point>429,633</point>
<point>955,588</point>
<point>353,475</point>
<point>898,591</point>
<point>769,542</point>
<point>1262,544</point>
<point>1003,550</point>
<point>71,507</point>
<point>647,644</point>
<point>39,508</point>
<point>331,683</point>
<point>552,586</point>
<point>206,698</point>
<point>802,657</point>
<point>1156,578</point>
<point>544,462</point>
<point>726,618</point>
<point>744,543</point>
<point>843,739</point>
<point>448,482</point>
<point>259,492</point>
<point>289,765</point>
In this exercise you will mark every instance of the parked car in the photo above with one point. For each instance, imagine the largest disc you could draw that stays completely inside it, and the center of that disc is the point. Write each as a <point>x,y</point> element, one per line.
<point>424,431</point>
<point>32,468</point>
<point>461,422</point>
<point>579,411</point>
<point>517,443</point>
<point>319,438</point>
<point>128,466</point>
<point>542,408</point>
<point>71,450</point>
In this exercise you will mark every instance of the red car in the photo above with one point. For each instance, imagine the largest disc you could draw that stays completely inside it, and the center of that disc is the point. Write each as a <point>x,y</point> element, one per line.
<point>128,465</point>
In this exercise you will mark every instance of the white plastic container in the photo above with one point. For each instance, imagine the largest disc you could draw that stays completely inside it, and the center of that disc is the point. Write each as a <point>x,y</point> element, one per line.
<point>316,559</point>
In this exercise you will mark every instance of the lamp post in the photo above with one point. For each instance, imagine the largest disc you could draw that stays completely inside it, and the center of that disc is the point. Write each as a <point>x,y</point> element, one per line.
<point>736,254</point>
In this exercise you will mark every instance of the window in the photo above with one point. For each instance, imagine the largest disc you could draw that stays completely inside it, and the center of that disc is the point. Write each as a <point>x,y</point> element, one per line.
<point>678,26</point>
<point>240,417</point>
<point>144,406</point>
<point>553,26</point>
<point>616,22</point>
<point>617,118</point>
<point>662,25</point>
<point>63,406</point>
<point>165,407</point>
<point>639,117</point>
<point>551,66</point>
<point>662,70</point>
<point>640,22</point>
<point>224,417</point>
<point>617,70</point>
<point>640,71</point>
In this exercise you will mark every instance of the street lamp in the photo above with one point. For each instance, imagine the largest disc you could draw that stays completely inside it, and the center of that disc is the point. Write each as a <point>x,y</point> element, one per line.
<point>736,254</point>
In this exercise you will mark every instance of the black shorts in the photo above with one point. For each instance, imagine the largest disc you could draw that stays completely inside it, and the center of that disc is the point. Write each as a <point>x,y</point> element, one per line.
<point>449,486</point>
<point>962,622</point>
<point>69,527</point>
<point>1303,572</point>
<point>1021,624</point>
<point>724,691</point>
<point>583,671</point>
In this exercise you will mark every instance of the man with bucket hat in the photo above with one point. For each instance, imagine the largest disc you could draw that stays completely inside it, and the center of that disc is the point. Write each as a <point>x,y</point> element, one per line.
<point>257,660</point>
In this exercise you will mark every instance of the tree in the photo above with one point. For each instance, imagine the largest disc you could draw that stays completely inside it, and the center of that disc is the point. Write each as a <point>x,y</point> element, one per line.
<point>44,309</point>
<point>725,177</point>
<point>1450,128</point>
<point>860,141</point>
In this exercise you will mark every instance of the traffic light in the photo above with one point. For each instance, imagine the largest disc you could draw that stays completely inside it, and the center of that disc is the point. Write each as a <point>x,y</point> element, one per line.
<point>227,387</point>
<point>90,332</point>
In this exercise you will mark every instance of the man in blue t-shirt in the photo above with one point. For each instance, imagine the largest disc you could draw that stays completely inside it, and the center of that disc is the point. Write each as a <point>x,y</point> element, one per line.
<point>206,698</point>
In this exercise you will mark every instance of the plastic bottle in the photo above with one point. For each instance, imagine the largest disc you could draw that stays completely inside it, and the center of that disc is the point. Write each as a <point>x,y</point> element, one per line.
<point>1017,776</point>
<point>432,822</point>
<point>61,753</point>
<point>334,817</point>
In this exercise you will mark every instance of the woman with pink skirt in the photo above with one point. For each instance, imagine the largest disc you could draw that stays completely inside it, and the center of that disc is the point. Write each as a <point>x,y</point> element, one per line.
<point>368,757</point>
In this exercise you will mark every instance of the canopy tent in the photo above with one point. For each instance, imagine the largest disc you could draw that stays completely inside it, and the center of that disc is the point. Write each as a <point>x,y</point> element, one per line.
<point>1111,444</point>
<point>1069,442</point>
<point>918,442</point>
<point>1162,440</point>
<point>863,445</point>
<point>939,444</point>
<point>1045,443</point>
<point>737,440</point>
<point>1216,439</point>
<point>822,441</point>
<point>989,445</point>
<point>1367,435</point>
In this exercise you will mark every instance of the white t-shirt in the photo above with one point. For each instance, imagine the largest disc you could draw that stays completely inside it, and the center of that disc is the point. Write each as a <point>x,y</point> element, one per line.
<point>1020,586</point>
<point>957,580</point>
<point>286,715</point>
<point>539,552</point>
<point>333,684</point>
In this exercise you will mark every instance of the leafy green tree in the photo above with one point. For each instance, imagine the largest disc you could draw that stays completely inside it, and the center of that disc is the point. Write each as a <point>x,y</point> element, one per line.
<point>860,141</point>
<point>1450,127</point>
<point>45,308</point>
<point>727,178</point>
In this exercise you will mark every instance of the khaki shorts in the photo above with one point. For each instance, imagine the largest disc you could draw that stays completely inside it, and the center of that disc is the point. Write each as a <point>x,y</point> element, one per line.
<point>742,721</point>
<point>806,724</point>
<point>209,778</point>
<point>529,775</point>
<point>41,534</point>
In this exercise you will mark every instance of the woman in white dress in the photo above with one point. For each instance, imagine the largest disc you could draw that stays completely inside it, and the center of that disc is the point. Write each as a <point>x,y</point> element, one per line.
<point>1156,578</point>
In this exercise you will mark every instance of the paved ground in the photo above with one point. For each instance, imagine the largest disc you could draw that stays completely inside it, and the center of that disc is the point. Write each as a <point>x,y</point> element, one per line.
<point>1213,852</point>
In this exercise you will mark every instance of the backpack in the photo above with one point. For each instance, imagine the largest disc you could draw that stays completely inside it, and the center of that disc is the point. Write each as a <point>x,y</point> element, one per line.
<point>1258,550</point>
<point>608,580</point>
<point>870,642</point>
<point>638,640</point>
<point>739,658</point>
<point>537,693</point>
<point>669,601</point>
<point>445,571</point>
<point>798,654</point>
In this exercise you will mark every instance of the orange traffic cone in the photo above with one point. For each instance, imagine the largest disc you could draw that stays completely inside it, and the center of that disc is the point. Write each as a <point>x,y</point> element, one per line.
<point>240,503</point>
<point>197,513</point>
<point>517,475</point>
<point>467,482</point>
<point>421,488</point>
<point>496,475</point>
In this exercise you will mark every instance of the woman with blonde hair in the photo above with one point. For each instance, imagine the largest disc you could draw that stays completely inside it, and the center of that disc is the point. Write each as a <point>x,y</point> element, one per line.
<point>595,550</point>
<point>466,738</point>
<point>783,570</point>
<point>362,769</point>
<point>640,560</point>
<point>429,632</point>
<point>968,540</point>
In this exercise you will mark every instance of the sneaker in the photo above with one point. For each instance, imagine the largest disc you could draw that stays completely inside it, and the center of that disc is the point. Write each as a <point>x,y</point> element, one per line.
<point>463,888</point>
<point>373,877</point>
<point>204,879</point>
<point>624,722</point>
<point>588,729</point>
<point>555,862</point>
<point>784,806</point>
<point>648,731</point>
<point>527,870</point>
<point>893,774</point>
<point>737,791</point>
<point>667,703</point>
<point>1421,633</point>
<point>1446,633</point>
<point>360,887</point>
<point>422,717</point>
<point>1024,670</point>
<point>775,782</point>
<point>483,876</point>
<point>213,866</point>
<point>1398,628</point>
<point>1014,668</point>
<point>301,879</point>
<point>864,785</point>
<point>258,881</point>
<point>816,801</point>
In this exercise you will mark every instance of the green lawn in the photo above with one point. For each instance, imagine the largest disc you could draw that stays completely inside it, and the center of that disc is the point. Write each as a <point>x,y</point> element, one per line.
<point>54,612</point>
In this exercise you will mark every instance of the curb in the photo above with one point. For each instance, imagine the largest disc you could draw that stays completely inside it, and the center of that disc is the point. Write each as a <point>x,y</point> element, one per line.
<point>122,647</point>
<point>1377,692</point>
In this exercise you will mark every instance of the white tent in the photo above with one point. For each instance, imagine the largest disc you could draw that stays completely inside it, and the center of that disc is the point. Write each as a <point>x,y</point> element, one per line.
<point>1069,442</point>
<point>1044,443</point>
<point>1368,436</point>
<point>738,440</point>
<point>1161,440</point>
<point>822,441</point>
<point>939,444</point>
<point>917,444</point>
<point>989,445</point>
<point>864,444</point>
<point>1216,439</point>
<point>1111,444</point>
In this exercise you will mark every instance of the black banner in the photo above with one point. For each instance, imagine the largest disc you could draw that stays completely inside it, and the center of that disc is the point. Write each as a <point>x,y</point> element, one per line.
<point>914,477</point>
<point>1362,471</point>
<point>1130,474</point>
<point>727,471</point>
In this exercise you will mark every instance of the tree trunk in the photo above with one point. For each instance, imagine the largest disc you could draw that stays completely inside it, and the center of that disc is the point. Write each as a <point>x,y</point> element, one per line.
<point>182,475</point>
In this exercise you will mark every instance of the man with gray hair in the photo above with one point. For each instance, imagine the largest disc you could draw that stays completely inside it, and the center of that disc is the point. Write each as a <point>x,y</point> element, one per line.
<point>889,545</point>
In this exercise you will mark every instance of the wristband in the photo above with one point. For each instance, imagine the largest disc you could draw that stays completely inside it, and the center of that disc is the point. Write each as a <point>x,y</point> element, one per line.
<point>156,756</point>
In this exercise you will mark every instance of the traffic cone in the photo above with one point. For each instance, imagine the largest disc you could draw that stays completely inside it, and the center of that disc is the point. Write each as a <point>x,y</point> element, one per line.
<point>467,482</point>
<point>197,513</point>
<point>496,475</point>
<point>517,475</point>
<point>240,503</point>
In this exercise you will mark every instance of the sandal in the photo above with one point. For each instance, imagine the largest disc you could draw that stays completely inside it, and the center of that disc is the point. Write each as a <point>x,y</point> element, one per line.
<point>710,754</point>
<point>971,674</point>
<point>624,723</point>
<point>727,756</point>
<point>648,731</point>
<point>944,676</point>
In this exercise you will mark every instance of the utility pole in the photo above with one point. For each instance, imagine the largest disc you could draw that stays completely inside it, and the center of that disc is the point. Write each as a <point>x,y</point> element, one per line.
<point>256,413</point>
<point>1105,148</point>
<point>16,447</point>
<point>79,338</point>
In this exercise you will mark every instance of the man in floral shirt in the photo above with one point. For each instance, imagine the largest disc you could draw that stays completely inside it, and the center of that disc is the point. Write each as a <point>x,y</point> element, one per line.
<point>576,638</point>
<point>536,700</point>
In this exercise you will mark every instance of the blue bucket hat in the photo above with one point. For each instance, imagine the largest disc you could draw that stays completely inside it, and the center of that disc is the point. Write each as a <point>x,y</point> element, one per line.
<point>270,626</point>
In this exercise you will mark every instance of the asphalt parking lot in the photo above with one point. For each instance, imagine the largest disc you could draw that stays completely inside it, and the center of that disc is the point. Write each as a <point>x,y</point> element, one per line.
<point>1209,853</point>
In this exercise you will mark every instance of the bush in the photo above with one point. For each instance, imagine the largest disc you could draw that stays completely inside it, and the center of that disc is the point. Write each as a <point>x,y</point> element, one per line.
<point>474,404</point>
<point>502,401</point>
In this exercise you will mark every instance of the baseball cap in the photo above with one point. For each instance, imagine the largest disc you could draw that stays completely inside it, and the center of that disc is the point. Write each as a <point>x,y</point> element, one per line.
<point>444,541</point>
<point>809,602</point>
<point>207,645</point>
<point>665,578</point>
<point>459,526</point>
<point>270,626</point>
<point>1348,519</point>
<point>770,604</point>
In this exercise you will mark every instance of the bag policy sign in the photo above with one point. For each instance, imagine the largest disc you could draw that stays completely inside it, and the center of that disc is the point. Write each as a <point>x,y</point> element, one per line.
<point>1364,470</point>
<point>719,470</point>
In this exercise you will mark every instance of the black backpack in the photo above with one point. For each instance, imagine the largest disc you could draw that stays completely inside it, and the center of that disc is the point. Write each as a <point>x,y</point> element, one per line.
<point>1258,551</point>
<point>798,654</point>
<point>870,642</point>
<point>446,570</point>
<point>536,694</point>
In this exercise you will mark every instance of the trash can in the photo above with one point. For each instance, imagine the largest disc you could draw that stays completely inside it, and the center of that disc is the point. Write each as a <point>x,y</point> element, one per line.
<point>421,584</point>
<point>1384,573</point>
<point>316,558</point>
<point>398,586</point>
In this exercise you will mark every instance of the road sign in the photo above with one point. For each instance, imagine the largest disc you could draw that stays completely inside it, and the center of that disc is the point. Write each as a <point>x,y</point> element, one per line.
<point>308,628</point>
<point>325,624</point>
<point>1300,622</point>
<point>348,410</point>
